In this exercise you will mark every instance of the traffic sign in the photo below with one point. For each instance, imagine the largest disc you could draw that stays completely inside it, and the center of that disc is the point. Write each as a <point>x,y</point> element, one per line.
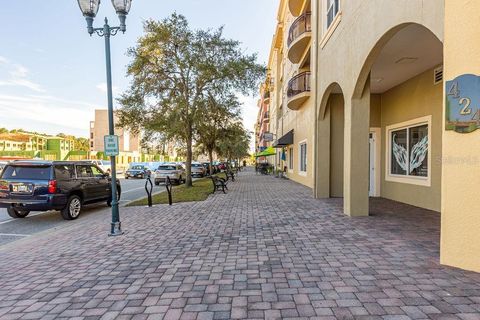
<point>111,146</point>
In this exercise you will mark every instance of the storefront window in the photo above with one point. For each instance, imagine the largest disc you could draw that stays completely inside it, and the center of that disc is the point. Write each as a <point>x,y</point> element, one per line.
<point>303,157</point>
<point>409,151</point>
<point>290,158</point>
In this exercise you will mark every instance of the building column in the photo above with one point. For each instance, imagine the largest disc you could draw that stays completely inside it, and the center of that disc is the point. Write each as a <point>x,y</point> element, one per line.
<point>460,225</point>
<point>322,157</point>
<point>356,154</point>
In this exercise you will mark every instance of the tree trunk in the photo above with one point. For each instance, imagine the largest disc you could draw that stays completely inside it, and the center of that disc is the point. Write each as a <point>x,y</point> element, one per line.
<point>188,164</point>
<point>210,158</point>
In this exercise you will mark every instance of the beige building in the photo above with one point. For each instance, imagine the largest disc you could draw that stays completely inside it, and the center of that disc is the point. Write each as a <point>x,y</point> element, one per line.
<point>359,108</point>
<point>99,128</point>
<point>129,144</point>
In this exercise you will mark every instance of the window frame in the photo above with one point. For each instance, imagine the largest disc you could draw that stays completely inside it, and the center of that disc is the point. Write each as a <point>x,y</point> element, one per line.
<point>290,159</point>
<point>335,4</point>
<point>300,169</point>
<point>329,29</point>
<point>408,179</point>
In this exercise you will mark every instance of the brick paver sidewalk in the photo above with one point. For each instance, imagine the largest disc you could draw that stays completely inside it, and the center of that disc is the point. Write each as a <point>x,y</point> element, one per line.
<point>264,250</point>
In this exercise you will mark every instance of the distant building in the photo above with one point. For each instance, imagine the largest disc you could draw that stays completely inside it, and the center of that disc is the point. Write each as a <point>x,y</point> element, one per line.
<point>29,145</point>
<point>129,144</point>
<point>99,129</point>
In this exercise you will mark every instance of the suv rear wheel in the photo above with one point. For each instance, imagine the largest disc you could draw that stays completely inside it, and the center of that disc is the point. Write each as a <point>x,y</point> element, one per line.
<point>15,213</point>
<point>73,208</point>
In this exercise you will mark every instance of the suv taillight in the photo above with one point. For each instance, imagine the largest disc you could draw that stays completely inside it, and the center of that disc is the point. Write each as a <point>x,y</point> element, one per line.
<point>52,186</point>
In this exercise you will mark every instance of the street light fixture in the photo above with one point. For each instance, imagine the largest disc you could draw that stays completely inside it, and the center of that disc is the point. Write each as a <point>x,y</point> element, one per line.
<point>89,10</point>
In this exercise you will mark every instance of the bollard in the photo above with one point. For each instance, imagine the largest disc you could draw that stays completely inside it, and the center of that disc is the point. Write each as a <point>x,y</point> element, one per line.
<point>168,185</point>
<point>149,189</point>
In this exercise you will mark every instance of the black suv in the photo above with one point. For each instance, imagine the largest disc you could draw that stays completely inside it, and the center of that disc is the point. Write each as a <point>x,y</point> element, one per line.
<point>53,185</point>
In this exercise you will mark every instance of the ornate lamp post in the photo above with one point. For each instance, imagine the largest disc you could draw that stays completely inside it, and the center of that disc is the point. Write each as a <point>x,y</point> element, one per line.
<point>89,10</point>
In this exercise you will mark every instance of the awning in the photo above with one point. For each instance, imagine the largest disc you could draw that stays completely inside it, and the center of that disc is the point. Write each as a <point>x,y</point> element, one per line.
<point>285,140</point>
<point>265,153</point>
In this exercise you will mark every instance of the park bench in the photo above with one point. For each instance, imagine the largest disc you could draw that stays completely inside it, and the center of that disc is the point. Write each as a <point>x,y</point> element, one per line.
<point>230,175</point>
<point>219,184</point>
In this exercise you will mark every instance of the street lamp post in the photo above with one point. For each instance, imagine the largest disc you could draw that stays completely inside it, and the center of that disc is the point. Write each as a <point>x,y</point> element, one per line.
<point>89,10</point>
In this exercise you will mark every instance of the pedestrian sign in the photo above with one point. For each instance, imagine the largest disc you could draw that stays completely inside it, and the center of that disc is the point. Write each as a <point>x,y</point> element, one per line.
<point>111,146</point>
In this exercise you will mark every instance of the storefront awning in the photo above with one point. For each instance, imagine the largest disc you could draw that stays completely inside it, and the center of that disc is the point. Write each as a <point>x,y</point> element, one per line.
<point>285,140</point>
<point>265,153</point>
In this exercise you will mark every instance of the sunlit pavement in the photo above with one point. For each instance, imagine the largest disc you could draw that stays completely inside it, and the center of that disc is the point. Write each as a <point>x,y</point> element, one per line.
<point>264,250</point>
<point>15,229</point>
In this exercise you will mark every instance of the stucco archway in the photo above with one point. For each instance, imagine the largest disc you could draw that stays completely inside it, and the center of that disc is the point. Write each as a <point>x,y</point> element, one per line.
<point>330,143</point>
<point>398,91</point>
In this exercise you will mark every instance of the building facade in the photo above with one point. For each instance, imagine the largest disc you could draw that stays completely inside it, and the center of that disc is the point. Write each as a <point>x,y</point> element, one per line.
<point>30,145</point>
<point>129,144</point>
<point>377,99</point>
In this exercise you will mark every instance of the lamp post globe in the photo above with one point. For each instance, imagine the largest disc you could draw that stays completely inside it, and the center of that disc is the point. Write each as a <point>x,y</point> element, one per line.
<point>89,10</point>
<point>122,7</point>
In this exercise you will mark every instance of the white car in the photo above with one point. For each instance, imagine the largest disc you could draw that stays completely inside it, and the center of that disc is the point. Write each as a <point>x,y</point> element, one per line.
<point>105,165</point>
<point>175,172</point>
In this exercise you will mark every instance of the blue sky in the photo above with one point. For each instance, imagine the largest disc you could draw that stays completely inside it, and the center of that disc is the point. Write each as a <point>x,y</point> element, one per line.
<point>52,73</point>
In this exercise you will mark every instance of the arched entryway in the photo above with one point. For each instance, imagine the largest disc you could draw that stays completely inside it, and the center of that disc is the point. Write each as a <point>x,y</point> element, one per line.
<point>397,102</point>
<point>330,143</point>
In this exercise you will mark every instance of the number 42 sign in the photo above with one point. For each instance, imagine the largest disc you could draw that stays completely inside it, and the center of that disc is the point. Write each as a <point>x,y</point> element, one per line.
<point>462,103</point>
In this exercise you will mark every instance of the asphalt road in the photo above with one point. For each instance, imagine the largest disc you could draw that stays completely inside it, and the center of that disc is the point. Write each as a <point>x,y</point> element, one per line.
<point>14,229</point>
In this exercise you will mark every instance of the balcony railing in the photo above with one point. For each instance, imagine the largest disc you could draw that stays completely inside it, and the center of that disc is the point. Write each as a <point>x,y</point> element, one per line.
<point>301,25</point>
<point>299,84</point>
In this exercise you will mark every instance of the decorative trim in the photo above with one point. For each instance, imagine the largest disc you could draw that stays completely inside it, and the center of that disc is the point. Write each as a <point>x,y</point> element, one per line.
<point>331,29</point>
<point>420,181</point>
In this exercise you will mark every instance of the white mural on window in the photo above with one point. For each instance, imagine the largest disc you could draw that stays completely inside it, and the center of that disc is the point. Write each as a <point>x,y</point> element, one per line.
<point>419,153</point>
<point>400,154</point>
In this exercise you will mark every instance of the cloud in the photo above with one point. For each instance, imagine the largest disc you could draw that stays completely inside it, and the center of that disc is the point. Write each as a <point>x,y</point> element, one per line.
<point>47,114</point>
<point>103,88</point>
<point>18,76</point>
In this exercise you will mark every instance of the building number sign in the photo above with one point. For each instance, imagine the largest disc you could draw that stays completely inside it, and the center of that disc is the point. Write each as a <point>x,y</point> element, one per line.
<point>463,103</point>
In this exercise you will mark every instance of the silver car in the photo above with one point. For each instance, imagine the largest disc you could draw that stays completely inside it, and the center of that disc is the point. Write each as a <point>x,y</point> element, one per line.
<point>175,172</point>
<point>198,170</point>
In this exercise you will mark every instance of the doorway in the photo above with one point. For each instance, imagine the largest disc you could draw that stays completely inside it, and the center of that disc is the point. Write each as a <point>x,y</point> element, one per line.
<point>374,163</point>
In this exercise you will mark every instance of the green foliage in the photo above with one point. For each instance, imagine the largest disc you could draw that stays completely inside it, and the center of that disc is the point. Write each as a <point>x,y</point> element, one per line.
<point>235,143</point>
<point>82,144</point>
<point>175,70</point>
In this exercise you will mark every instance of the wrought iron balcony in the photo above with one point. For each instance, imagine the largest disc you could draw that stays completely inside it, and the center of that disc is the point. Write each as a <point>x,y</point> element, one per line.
<point>298,90</point>
<point>299,37</point>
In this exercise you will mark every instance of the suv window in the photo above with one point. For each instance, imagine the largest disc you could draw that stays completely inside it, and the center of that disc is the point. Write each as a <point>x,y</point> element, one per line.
<point>84,171</point>
<point>97,172</point>
<point>22,172</point>
<point>64,172</point>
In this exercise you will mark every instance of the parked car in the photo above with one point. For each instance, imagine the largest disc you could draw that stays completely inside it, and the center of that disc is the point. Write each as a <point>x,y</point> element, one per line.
<point>137,171</point>
<point>198,170</point>
<point>207,167</point>
<point>105,165</point>
<point>66,186</point>
<point>174,171</point>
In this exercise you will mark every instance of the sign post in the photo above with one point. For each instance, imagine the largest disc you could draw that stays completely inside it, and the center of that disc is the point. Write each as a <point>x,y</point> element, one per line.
<point>111,146</point>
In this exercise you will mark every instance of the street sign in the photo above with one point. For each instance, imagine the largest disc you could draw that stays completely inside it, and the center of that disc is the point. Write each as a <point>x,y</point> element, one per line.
<point>268,136</point>
<point>111,146</point>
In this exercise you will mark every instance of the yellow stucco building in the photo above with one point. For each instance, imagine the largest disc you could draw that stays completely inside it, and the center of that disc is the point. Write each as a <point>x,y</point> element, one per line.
<point>378,99</point>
